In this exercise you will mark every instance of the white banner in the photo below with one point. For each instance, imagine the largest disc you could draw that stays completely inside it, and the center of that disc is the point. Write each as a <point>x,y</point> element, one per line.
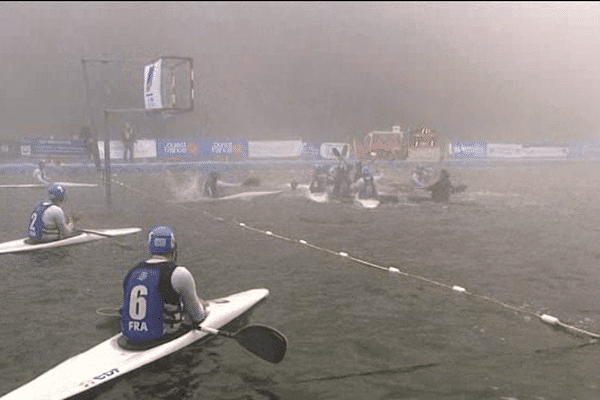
<point>152,86</point>
<point>274,149</point>
<point>502,150</point>
<point>545,152</point>
<point>326,150</point>
<point>141,149</point>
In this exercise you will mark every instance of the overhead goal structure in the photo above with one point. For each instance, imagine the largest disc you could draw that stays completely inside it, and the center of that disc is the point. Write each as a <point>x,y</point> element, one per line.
<point>169,85</point>
<point>167,89</point>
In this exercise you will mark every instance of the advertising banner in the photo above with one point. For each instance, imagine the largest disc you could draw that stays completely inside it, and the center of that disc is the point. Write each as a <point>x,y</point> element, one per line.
<point>275,149</point>
<point>504,150</point>
<point>311,151</point>
<point>545,152</point>
<point>152,86</point>
<point>203,149</point>
<point>326,150</point>
<point>141,149</point>
<point>49,148</point>
<point>468,150</point>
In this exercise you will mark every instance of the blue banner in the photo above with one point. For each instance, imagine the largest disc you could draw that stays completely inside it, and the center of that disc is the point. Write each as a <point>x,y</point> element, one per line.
<point>47,148</point>
<point>203,149</point>
<point>468,150</point>
<point>311,151</point>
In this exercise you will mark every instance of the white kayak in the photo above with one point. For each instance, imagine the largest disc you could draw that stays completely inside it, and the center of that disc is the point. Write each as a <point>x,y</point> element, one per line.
<point>21,245</point>
<point>321,197</point>
<point>42,185</point>
<point>246,195</point>
<point>107,360</point>
<point>367,203</point>
<point>239,196</point>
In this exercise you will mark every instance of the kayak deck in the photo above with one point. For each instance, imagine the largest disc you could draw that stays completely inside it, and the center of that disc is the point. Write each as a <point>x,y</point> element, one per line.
<point>21,245</point>
<point>107,360</point>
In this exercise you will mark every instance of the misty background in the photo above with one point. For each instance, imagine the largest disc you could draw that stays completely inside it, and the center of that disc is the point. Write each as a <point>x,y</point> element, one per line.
<point>317,71</point>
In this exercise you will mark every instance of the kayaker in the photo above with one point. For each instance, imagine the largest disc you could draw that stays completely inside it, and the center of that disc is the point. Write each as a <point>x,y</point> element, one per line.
<point>340,180</point>
<point>159,296</point>
<point>365,186</point>
<point>40,173</point>
<point>318,183</point>
<point>48,221</point>
<point>442,189</point>
<point>211,186</point>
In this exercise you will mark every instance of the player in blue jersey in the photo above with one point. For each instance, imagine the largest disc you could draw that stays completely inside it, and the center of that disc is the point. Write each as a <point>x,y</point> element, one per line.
<point>160,298</point>
<point>48,221</point>
<point>365,186</point>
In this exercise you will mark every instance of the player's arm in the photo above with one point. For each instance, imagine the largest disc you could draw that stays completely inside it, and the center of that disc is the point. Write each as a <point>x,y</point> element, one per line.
<point>66,228</point>
<point>183,282</point>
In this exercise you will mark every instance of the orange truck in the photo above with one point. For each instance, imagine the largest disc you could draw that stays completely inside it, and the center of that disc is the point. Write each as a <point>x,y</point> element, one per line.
<point>383,145</point>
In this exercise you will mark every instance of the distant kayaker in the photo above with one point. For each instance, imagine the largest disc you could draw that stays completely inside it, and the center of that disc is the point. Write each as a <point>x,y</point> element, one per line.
<point>365,186</point>
<point>159,296</point>
<point>211,187</point>
<point>442,189</point>
<point>48,221</point>
<point>40,174</point>
<point>318,182</point>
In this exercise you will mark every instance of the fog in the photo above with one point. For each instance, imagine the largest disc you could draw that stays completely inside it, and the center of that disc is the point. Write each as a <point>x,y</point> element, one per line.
<point>314,70</point>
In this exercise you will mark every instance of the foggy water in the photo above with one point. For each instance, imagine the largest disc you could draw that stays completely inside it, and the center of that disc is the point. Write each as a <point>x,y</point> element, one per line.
<point>524,235</point>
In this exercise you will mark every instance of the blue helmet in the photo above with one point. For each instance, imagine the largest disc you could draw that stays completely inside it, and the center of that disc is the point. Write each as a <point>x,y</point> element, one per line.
<point>57,192</point>
<point>161,240</point>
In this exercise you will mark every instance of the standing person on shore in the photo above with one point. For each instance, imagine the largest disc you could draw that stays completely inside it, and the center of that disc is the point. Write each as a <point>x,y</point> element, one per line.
<point>159,295</point>
<point>129,139</point>
<point>91,144</point>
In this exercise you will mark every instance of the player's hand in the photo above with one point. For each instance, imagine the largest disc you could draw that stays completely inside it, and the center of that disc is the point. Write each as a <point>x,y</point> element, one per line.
<point>75,217</point>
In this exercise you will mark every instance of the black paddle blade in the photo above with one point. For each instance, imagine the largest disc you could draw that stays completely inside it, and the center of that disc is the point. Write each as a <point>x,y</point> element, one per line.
<point>263,341</point>
<point>345,150</point>
<point>335,152</point>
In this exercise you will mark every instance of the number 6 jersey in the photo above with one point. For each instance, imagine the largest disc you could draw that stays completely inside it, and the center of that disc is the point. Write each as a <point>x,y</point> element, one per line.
<point>150,303</point>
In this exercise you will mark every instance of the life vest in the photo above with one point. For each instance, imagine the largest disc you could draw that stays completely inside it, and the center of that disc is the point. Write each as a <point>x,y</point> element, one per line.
<point>36,225</point>
<point>151,306</point>
<point>368,191</point>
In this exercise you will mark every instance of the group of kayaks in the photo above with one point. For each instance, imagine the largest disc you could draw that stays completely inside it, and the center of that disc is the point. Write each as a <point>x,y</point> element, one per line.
<point>110,359</point>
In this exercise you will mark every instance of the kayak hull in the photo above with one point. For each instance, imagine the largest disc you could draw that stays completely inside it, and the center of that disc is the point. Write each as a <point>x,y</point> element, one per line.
<point>43,185</point>
<point>322,197</point>
<point>22,245</point>
<point>238,196</point>
<point>108,361</point>
<point>367,203</point>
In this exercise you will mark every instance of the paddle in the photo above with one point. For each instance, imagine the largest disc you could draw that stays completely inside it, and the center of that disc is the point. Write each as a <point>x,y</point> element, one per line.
<point>260,340</point>
<point>125,246</point>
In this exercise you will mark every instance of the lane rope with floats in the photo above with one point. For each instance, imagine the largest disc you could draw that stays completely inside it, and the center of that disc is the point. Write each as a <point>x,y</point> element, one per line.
<point>546,318</point>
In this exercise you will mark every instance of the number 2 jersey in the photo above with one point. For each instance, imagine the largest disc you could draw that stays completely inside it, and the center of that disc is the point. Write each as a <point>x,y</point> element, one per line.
<point>155,294</point>
<point>37,229</point>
